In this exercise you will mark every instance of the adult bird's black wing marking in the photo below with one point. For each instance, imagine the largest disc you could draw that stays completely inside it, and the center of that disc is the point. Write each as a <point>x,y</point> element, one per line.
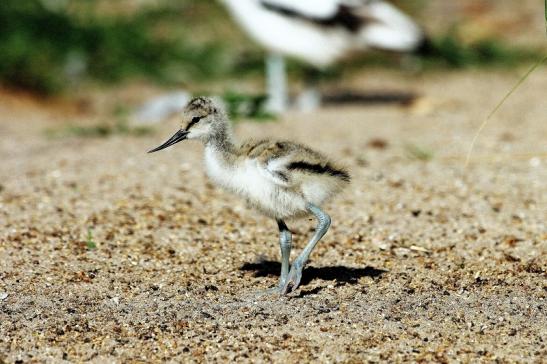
<point>343,17</point>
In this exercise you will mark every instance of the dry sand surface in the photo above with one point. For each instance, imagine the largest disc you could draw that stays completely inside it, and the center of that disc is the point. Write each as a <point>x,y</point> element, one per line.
<point>425,261</point>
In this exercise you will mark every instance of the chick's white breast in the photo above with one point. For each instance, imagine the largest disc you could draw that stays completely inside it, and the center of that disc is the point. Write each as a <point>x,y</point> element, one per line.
<point>248,180</point>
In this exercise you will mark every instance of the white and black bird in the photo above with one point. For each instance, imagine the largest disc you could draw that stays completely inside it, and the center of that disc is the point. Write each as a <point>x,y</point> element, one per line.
<point>281,179</point>
<point>321,32</point>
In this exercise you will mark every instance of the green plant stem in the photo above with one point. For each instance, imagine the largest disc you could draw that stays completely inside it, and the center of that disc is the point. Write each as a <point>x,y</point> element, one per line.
<point>511,91</point>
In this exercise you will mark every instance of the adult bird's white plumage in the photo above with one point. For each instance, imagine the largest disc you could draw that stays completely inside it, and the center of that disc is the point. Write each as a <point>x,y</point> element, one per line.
<point>321,32</point>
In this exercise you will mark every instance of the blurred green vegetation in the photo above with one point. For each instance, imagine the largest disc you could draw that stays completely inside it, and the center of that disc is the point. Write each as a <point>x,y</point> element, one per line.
<point>48,46</point>
<point>451,51</point>
<point>101,130</point>
<point>90,242</point>
<point>118,124</point>
<point>251,106</point>
<point>421,153</point>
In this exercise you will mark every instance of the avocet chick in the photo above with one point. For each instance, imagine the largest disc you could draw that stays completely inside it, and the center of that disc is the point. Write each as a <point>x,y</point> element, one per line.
<point>280,179</point>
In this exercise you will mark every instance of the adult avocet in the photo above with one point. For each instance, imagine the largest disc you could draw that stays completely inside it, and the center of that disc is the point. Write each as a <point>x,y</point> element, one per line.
<point>321,32</point>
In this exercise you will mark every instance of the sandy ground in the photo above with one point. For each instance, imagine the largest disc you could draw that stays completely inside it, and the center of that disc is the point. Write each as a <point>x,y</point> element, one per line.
<point>425,260</point>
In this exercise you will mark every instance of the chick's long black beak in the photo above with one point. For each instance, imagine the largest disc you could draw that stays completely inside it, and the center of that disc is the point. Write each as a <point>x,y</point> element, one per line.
<point>179,136</point>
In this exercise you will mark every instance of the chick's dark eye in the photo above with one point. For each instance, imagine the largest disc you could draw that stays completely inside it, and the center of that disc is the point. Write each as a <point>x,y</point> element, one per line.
<point>195,119</point>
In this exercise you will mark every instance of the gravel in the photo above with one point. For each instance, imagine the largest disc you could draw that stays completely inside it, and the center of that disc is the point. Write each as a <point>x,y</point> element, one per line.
<point>112,255</point>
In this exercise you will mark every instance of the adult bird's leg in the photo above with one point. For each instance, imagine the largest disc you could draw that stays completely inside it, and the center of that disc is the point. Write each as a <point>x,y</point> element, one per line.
<point>285,243</point>
<point>310,98</point>
<point>276,80</point>
<point>295,274</point>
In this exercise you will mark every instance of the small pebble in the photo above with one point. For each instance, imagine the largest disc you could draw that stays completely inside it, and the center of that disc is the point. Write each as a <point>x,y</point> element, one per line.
<point>419,249</point>
<point>401,252</point>
<point>535,162</point>
<point>3,296</point>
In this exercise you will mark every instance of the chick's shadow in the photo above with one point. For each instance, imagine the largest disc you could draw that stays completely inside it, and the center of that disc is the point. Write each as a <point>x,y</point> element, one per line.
<point>341,274</point>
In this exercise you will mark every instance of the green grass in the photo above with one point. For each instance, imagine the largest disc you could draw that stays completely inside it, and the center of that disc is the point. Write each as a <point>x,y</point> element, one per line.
<point>90,243</point>
<point>513,89</point>
<point>49,49</point>
<point>101,130</point>
<point>450,51</point>
<point>418,152</point>
<point>247,106</point>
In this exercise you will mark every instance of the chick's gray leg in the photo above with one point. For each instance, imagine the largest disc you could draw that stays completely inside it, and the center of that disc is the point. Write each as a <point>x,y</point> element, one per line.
<point>285,243</point>
<point>295,274</point>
